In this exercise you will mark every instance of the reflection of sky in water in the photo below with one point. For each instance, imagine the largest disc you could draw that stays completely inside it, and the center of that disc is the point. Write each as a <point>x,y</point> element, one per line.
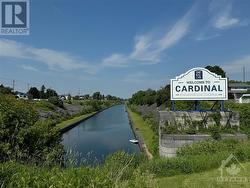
<point>103,134</point>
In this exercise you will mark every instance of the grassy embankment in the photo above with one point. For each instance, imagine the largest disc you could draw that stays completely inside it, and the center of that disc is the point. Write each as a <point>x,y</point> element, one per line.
<point>69,122</point>
<point>207,179</point>
<point>146,132</point>
<point>19,175</point>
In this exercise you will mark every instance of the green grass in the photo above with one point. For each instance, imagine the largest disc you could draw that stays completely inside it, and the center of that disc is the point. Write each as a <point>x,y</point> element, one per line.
<point>73,120</point>
<point>44,105</point>
<point>207,179</point>
<point>145,130</point>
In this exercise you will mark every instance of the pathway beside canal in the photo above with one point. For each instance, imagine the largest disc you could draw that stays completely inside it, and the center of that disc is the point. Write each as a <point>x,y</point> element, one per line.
<point>143,132</point>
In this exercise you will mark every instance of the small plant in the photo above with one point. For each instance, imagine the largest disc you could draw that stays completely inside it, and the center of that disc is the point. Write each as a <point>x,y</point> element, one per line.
<point>191,130</point>
<point>216,117</point>
<point>215,132</point>
<point>170,128</point>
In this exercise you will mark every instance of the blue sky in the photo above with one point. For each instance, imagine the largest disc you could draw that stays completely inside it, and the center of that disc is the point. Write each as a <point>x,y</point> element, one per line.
<point>121,46</point>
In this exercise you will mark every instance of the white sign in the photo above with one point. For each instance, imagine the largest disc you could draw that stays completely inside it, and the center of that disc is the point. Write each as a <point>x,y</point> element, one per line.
<point>199,84</point>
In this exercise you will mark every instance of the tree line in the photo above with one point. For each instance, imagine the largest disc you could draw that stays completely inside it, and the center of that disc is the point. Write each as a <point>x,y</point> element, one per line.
<point>43,93</point>
<point>162,96</point>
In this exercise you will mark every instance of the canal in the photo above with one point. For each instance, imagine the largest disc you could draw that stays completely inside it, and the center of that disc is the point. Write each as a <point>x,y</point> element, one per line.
<point>105,133</point>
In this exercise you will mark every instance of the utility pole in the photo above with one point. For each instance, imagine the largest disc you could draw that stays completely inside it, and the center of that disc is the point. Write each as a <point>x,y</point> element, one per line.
<point>28,87</point>
<point>13,85</point>
<point>244,74</point>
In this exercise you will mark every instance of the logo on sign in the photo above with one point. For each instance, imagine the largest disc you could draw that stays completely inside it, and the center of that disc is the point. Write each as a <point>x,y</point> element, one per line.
<point>198,75</point>
<point>14,17</point>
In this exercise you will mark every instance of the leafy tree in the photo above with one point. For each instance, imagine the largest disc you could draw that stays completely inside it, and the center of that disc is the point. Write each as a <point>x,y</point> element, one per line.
<point>143,97</point>
<point>51,93</point>
<point>86,96</point>
<point>163,95</point>
<point>34,93</point>
<point>42,92</point>
<point>97,96</point>
<point>217,70</point>
<point>77,97</point>
<point>5,90</point>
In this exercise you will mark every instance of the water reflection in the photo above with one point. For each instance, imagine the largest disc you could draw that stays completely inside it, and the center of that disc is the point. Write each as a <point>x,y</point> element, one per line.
<point>101,135</point>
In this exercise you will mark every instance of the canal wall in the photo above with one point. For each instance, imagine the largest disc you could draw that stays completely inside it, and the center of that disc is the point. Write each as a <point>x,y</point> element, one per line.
<point>169,143</point>
<point>208,118</point>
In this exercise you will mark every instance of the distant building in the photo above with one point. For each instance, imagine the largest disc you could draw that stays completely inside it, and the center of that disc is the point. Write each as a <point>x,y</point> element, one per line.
<point>236,90</point>
<point>245,98</point>
<point>65,97</point>
<point>21,95</point>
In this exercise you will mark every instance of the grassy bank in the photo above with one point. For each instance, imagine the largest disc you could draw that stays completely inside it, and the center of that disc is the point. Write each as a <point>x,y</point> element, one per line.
<point>145,130</point>
<point>206,179</point>
<point>74,120</point>
<point>70,122</point>
<point>194,166</point>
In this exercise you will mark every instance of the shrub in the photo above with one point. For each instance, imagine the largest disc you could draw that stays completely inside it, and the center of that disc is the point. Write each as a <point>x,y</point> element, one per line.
<point>15,117</point>
<point>170,128</point>
<point>191,130</point>
<point>56,101</point>
<point>208,147</point>
<point>215,132</point>
<point>22,137</point>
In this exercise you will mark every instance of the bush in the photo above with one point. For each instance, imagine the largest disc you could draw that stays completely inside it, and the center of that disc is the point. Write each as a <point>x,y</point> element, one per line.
<point>22,137</point>
<point>191,130</point>
<point>208,147</point>
<point>15,117</point>
<point>170,128</point>
<point>56,101</point>
<point>215,132</point>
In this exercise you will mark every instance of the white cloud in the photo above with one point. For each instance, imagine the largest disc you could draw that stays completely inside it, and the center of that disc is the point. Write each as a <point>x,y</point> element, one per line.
<point>222,15</point>
<point>225,22</point>
<point>29,68</point>
<point>237,65</point>
<point>203,36</point>
<point>115,60</point>
<point>55,60</point>
<point>221,18</point>
<point>148,48</point>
